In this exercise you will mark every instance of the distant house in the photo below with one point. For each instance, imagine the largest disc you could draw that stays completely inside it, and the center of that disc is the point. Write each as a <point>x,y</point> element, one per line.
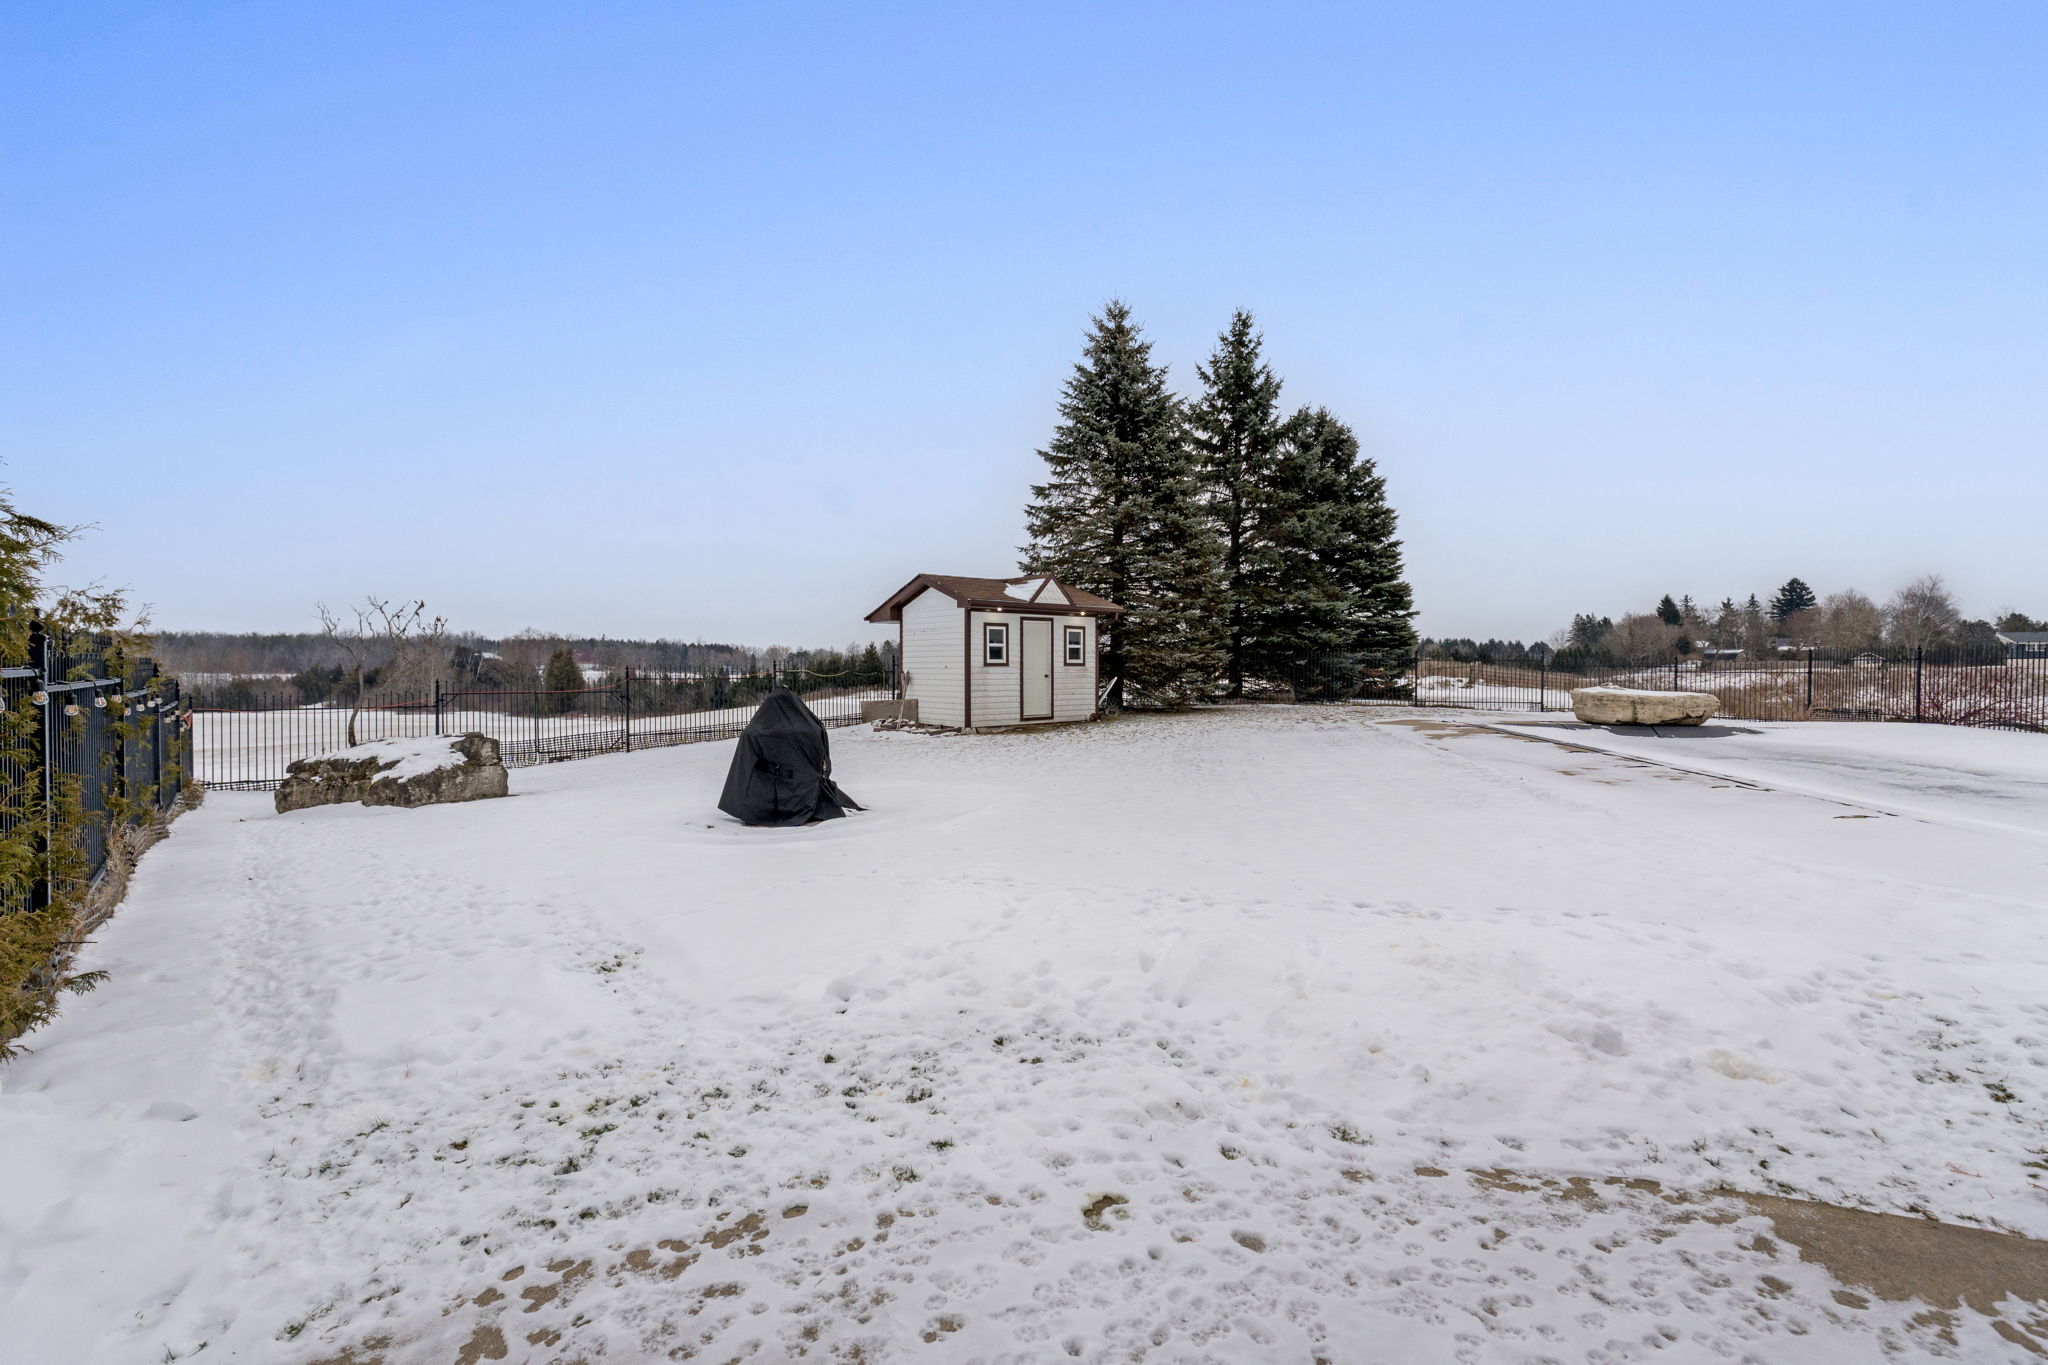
<point>982,652</point>
<point>2024,644</point>
<point>1867,660</point>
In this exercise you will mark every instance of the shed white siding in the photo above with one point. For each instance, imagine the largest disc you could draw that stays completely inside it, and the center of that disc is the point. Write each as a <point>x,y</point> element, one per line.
<point>1073,688</point>
<point>996,701</point>
<point>998,696</point>
<point>934,657</point>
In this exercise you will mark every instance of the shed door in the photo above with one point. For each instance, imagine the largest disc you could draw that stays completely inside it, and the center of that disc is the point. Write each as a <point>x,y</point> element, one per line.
<point>1037,670</point>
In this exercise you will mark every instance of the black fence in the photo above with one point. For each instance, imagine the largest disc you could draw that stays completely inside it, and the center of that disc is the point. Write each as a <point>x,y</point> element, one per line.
<point>84,748</point>
<point>1931,687</point>
<point>245,741</point>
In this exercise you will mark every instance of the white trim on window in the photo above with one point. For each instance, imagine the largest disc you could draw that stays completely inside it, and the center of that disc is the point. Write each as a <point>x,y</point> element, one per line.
<point>1076,645</point>
<point>995,644</point>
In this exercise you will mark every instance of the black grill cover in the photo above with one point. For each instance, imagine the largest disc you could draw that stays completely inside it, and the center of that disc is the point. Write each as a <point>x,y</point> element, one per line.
<point>782,772</point>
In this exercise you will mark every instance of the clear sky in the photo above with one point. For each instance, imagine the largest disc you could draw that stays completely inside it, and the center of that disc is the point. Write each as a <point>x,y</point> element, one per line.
<point>722,320</point>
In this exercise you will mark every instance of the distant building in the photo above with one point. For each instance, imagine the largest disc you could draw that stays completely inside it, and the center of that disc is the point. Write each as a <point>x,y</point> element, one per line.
<point>2024,644</point>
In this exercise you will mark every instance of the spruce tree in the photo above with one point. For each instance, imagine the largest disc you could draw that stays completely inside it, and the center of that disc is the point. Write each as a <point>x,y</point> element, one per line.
<point>1794,596</point>
<point>561,681</point>
<point>1120,514</point>
<point>1325,567</point>
<point>1668,612</point>
<point>1235,427</point>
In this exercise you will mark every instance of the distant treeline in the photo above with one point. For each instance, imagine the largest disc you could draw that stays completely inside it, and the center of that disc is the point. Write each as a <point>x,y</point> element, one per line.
<point>312,669</point>
<point>1467,651</point>
<point>1921,616</point>
<point>253,653</point>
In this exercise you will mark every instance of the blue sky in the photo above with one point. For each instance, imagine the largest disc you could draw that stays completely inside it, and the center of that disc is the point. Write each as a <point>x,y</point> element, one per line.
<point>721,321</point>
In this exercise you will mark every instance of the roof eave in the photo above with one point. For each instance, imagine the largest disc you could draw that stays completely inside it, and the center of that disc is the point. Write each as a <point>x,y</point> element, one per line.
<point>1037,608</point>
<point>892,609</point>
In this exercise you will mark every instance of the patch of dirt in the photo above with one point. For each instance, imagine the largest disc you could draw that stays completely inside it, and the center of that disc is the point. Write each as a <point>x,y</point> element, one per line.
<point>1897,1258</point>
<point>1093,1211</point>
<point>1892,1256</point>
<point>486,1343</point>
<point>665,1261</point>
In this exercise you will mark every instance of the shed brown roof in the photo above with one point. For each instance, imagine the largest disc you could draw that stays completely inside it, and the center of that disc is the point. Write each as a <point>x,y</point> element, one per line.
<point>990,593</point>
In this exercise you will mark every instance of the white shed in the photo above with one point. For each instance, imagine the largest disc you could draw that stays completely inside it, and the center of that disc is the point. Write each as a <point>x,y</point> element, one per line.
<point>982,652</point>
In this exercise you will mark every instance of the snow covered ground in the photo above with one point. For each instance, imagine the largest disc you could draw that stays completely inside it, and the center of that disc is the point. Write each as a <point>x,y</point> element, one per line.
<point>1281,1034</point>
<point>1989,777</point>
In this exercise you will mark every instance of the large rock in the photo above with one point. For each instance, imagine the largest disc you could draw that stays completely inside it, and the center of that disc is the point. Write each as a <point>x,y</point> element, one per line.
<point>1628,706</point>
<point>398,772</point>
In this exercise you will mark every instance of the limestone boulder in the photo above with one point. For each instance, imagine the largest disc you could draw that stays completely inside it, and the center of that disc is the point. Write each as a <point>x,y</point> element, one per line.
<point>398,772</point>
<point>1629,706</point>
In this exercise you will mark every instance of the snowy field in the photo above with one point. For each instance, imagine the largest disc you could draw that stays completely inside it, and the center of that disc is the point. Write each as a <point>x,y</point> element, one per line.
<point>1281,1034</point>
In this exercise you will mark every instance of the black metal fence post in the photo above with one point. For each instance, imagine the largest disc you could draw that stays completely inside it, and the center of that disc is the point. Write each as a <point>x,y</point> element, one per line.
<point>437,707</point>
<point>1542,682</point>
<point>626,701</point>
<point>1809,678</point>
<point>1918,667</point>
<point>40,891</point>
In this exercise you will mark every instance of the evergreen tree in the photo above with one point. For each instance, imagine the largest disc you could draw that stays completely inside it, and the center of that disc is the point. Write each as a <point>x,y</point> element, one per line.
<point>1120,514</point>
<point>1689,616</point>
<point>1756,629</point>
<point>561,681</point>
<point>1325,570</point>
<point>1727,628</point>
<point>1794,596</point>
<point>1236,430</point>
<point>1587,632</point>
<point>1668,612</point>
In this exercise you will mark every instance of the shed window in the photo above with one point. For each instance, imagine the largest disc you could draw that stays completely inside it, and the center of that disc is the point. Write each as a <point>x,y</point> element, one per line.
<point>995,644</point>
<point>1077,645</point>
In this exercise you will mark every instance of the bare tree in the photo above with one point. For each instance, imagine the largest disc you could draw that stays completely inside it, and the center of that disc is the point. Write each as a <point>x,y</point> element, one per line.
<point>1641,638</point>
<point>1801,627</point>
<point>1849,622</point>
<point>1921,615</point>
<point>395,639</point>
<point>526,653</point>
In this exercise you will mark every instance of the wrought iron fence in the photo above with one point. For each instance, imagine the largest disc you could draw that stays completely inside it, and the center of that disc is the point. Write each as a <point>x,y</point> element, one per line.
<point>246,741</point>
<point>1928,686</point>
<point>107,745</point>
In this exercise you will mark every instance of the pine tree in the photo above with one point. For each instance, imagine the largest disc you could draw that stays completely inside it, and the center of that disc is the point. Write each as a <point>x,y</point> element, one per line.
<point>1120,514</point>
<point>1794,596</point>
<point>1668,612</point>
<point>1587,632</point>
<point>1235,427</point>
<point>1756,629</point>
<point>1326,568</point>
<point>562,680</point>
